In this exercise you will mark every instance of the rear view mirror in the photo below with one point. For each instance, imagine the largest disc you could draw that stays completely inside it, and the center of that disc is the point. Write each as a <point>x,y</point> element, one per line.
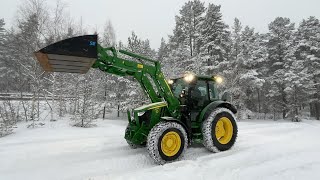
<point>226,96</point>
<point>183,93</point>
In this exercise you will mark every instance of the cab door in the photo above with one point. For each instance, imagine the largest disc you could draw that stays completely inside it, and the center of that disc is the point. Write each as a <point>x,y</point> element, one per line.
<point>198,98</point>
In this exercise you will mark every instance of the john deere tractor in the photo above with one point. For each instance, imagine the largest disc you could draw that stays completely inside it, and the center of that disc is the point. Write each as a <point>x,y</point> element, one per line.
<point>183,111</point>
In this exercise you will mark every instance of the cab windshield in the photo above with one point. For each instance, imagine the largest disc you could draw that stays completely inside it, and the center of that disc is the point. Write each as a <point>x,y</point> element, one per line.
<point>178,86</point>
<point>204,88</point>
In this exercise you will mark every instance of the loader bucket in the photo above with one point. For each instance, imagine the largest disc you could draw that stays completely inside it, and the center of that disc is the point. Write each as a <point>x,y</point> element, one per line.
<point>73,55</point>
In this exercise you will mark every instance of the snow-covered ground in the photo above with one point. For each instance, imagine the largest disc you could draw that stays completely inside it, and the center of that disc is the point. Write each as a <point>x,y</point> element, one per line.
<point>264,150</point>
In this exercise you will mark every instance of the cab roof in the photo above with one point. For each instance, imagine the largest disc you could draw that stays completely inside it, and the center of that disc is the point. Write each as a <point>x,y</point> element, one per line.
<point>208,78</point>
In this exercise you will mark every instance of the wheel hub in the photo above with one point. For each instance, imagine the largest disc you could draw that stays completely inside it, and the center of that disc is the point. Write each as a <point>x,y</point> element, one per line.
<point>171,143</point>
<point>224,130</point>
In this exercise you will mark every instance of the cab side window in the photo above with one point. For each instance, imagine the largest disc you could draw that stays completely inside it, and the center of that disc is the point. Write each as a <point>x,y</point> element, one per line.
<point>199,94</point>
<point>212,91</point>
<point>178,86</point>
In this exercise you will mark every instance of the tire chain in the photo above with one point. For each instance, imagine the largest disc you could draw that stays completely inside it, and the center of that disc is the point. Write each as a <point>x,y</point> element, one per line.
<point>207,128</point>
<point>153,140</point>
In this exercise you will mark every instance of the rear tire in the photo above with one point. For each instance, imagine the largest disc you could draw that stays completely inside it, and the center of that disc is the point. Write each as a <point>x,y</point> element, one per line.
<point>167,141</point>
<point>219,130</point>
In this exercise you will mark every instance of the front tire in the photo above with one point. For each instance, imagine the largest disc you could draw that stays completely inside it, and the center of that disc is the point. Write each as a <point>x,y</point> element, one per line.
<point>167,141</point>
<point>219,130</point>
<point>131,145</point>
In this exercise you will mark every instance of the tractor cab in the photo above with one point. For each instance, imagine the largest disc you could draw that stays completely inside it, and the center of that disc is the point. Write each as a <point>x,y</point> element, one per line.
<point>195,92</point>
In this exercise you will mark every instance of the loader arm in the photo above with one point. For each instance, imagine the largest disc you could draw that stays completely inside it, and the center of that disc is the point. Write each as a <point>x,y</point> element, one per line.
<point>79,54</point>
<point>149,76</point>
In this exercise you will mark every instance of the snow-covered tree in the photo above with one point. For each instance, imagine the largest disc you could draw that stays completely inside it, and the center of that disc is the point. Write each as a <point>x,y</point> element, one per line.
<point>163,50</point>
<point>307,66</point>
<point>108,35</point>
<point>243,78</point>
<point>139,46</point>
<point>188,25</point>
<point>280,55</point>
<point>214,40</point>
<point>88,98</point>
<point>177,61</point>
<point>236,39</point>
<point>8,113</point>
<point>3,66</point>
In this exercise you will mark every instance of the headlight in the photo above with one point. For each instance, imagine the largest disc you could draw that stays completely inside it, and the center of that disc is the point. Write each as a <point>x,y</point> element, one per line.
<point>170,81</point>
<point>141,113</point>
<point>218,79</point>
<point>189,77</point>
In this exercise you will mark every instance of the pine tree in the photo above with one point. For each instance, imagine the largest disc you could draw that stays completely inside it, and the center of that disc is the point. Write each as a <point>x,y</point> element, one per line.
<point>163,50</point>
<point>258,63</point>
<point>139,46</point>
<point>188,25</point>
<point>3,67</point>
<point>109,36</point>
<point>214,39</point>
<point>242,74</point>
<point>236,39</point>
<point>7,113</point>
<point>88,98</point>
<point>308,56</point>
<point>280,55</point>
<point>2,32</point>
<point>135,44</point>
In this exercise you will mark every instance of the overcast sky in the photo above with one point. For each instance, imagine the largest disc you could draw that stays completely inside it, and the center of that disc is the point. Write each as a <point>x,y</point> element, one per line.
<point>154,19</point>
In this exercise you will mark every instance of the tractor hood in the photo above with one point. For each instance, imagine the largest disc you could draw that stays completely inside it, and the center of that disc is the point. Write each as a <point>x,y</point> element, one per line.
<point>151,106</point>
<point>73,55</point>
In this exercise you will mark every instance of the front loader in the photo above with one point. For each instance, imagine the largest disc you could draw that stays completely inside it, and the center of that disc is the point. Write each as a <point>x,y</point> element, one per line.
<point>183,111</point>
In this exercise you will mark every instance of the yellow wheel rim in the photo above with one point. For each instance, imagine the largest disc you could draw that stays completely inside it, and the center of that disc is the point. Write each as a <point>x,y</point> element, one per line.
<point>170,143</point>
<point>224,130</point>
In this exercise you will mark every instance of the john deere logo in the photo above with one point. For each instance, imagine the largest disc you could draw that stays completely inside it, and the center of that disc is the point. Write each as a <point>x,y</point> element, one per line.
<point>92,43</point>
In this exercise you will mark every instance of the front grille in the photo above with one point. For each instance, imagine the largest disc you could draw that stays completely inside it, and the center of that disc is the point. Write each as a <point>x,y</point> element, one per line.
<point>145,118</point>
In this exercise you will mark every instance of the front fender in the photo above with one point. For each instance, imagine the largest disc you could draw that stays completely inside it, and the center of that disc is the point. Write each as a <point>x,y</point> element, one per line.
<point>168,118</point>
<point>216,104</point>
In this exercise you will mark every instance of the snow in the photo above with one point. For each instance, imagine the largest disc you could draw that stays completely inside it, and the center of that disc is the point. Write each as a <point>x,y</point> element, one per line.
<point>264,150</point>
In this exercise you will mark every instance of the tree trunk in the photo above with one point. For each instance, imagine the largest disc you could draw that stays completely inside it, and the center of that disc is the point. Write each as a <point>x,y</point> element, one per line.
<point>118,110</point>
<point>190,44</point>
<point>105,101</point>
<point>296,110</point>
<point>104,112</point>
<point>38,105</point>
<point>317,110</point>
<point>311,110</point>
<point>259,101</point>
<point>283,114</point>
<point>33,106</point>
<point>284,110</point>
<point>83,110</point>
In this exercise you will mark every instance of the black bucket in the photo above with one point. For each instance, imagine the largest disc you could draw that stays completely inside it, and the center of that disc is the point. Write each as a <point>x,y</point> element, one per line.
<point>73,55</point>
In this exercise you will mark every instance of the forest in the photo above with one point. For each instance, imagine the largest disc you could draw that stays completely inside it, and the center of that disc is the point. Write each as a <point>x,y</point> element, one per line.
<point>270,75</point>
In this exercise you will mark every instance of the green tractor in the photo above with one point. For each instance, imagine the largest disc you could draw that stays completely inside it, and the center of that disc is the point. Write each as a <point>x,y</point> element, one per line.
<point>183,111</point>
